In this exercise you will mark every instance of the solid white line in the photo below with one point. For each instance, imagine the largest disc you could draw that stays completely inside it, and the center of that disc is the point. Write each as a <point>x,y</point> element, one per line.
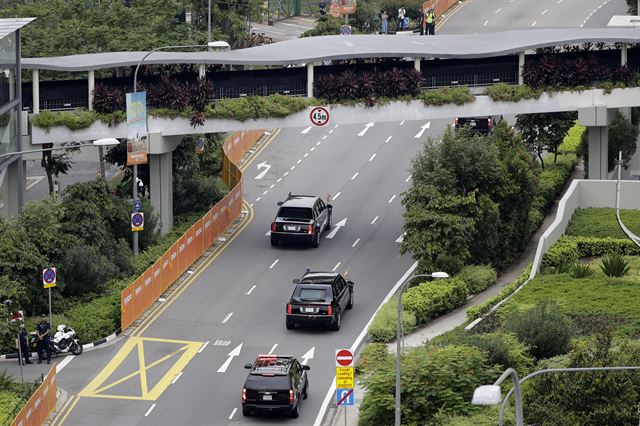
<point>324,137</point>
<point>204,345</point>
<point>356,344</point>
<point>258,199</point>
<point>292,167</point>
<point>336,267</point>
<point>374,220</point>
<point>388,139</point>
<point>356,242</point>
<point>274,263</point>
<point>279,179</point>
<point>497,11</point>
<point>313,148</point>
<point>408,178</point>
<point>299,161</point>
<point>233,413</point>
<point>534,23</point>
<point>402,123</point>
<point>224,321</point>
<point>318,143</point>
<point>149,410</point>
<point>544,11</point>
<point>335,196</point>
<point>64,362</point>
<point>392,198</point>
<point>306,155</point>
<point>273,348</point>
<point>305,131</point>
<point>485,23</point>
<point>251,289</point>
<point>272,185</point>
<point>372,157</point>
<point>285,174</point>
<point>355,176</point>
<point>175,379</point>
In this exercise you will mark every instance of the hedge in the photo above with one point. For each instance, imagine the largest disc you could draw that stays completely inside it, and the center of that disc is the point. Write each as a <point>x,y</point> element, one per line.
<point>383,326</point>
<point>371,357</point>
<point>430,299</point>
<point>602,223</point>
<point>478,277</point>
<point>571,141</point>
<point>482,308</point>
<point>569,249</point>
<point>503,92</point>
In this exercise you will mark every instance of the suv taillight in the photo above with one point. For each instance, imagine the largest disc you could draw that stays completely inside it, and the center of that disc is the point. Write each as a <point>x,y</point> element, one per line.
<point>273,227</point>
<point>456,122</point>
<point>310,230</point>
<point>490,124</point>
<point>289,308</point>
<point>244,394</point>
<point>291,396</point>
<point>330,310</point>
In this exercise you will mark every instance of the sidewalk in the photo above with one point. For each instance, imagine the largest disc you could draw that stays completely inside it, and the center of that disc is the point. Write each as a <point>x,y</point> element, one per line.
<point>286,29</point>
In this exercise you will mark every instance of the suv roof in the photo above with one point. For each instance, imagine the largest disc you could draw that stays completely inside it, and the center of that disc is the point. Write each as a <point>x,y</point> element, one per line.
<point>271,365</point>
<point>299,201</point>
<point>318,277</point>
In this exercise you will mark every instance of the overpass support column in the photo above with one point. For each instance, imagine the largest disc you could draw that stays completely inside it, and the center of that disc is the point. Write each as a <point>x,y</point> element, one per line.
<point>92,87</point>
<point>597,120</point>
<point>13,187</point>
<point>416,64</point>
<point>202,71</point>
<point>35,84</point>
<point>520,68</point>
<point>623,54</point>
<point>310,80</point>
<point>161,178</point>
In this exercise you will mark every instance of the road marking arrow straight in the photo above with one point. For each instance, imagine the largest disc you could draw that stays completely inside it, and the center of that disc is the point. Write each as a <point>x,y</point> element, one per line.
<point>306,130</point>
<point>422,129</point>
<point>366,127</point>
<point>308,355</point>
<point>231,355</point>
<point>266,168</point>
<point>336,228</point>
<point>401,237</point>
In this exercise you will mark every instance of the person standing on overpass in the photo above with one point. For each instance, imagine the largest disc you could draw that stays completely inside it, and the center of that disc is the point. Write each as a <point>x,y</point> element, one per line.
<point>401,13</point>
<point>430,19</point>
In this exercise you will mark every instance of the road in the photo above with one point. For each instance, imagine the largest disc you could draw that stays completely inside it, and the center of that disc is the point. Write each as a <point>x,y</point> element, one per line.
<point>181,367</point>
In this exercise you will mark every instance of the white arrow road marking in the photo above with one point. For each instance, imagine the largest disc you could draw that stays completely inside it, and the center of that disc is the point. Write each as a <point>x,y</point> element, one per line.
<point>273,348</point>
<point>264,172</point>
<point>366,127</point>
<point>305,131</point>
<point>422,129</point>
<point>336,228</point>
<point>401,237</point>
<point>267,233</point>
<point>308,355</point>
<point>233,353</point>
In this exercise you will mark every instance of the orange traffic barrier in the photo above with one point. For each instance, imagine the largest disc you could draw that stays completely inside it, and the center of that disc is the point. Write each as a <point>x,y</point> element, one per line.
<point>43,401</point>
<point>146,289</point>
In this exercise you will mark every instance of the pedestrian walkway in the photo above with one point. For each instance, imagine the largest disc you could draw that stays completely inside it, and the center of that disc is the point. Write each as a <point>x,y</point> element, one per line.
<point>286,29</point>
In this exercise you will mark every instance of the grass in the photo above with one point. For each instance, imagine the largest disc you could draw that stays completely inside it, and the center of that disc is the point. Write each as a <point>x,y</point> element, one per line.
<point>602,223</point>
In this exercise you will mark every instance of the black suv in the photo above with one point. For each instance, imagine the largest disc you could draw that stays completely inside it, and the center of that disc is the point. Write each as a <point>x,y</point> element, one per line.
<point>301,218</point>
<point>478,124</point>
<point>319,298</point>
<point>276,383</point>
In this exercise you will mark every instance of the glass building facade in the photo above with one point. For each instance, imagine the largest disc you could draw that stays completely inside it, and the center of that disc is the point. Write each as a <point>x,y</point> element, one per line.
<point>9,99</point>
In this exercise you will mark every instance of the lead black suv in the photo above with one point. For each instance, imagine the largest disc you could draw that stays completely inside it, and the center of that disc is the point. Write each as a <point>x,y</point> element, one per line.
<point>276,383</point>
<point>301,218</point>
<point>478,124</point>
<point>319,298</point>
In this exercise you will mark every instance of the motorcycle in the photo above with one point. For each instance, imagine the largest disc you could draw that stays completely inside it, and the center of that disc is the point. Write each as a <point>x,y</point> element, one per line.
<point>62,342</point>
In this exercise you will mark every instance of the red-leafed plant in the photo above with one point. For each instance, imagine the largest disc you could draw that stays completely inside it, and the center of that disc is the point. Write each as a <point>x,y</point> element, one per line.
<point>414,81</point>
<point>348,85</point>
<point>201,95</point>
<point>108,99</point>
<point>325,87</point>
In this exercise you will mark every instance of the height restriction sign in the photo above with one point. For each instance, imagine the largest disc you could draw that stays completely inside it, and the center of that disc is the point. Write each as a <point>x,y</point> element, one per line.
<point>137,221</point>
<point>49,277</point>
<point>319,116</point>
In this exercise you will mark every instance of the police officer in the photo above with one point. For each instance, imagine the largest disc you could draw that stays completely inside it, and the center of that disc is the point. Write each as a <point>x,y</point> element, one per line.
<point>24,347</point>
<point>44,339</point>
<point>430,19</point>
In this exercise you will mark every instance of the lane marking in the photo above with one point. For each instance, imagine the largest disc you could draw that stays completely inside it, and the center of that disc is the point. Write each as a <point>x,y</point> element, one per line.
<point>424,127</point>
<point>292,167</point>
<point>388,139</point>
<point>330,131</point>
<point>202,348</point>
<point>251,289</point>
<point>336,196</point>
<point>266,234</point>
<point>534,23</point>
<point>408,178</point>
<point>374,220</point>
<point>265,192</point>
<point>176,378</point>
<point>372,157</point>
<point>279,179</point>
<point>313,148</point>
<point>336,267</point>
<point>402,123</point>
<point>318,143</point>
<point>497,11</point>
<point>274,263</point>
<point>401,237</point>
<point>485,23</point>
<point>356,242</point>
<point>232,413</point>
<point>306,155</point>
<point>64,362</point>
<point>355,176</point>
<point>544,11</point>
<point>299,161</point>
<point>258,199</point>
<point>150,410</point>
<point>392,198</point>
<point>224,321</point>
<point>230,356</point>
<point>285,174</point>
<point>273,348</point>
<point>305,131</point>
<point>272,185</point>
<point>324,137</point>
<point>366,128</point>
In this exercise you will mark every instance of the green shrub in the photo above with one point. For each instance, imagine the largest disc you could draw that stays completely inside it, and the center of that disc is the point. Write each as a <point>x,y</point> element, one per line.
<point>10,406</point>
<point>615,265</point>
<point>503,92</point>
<point>563,251</point>
<point>602,223</point>
<point>484,416</point>
<point>482,308</point>
<point>478,277</point>
<point>570,249</point>
<point>451,264</point>
<point>543,328</point>
<point>448,95</point>
<point>581,270</point>
<point>434,298</point>
<point>383,326</point>
<point>571,142</point>
<point>554,176</point>
<point>95,319</point>
<point>372,356</point>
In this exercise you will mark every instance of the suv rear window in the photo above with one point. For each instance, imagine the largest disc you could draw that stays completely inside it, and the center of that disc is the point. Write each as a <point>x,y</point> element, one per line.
<point>295,213</point>
<point>277,382</point>
<point>313,293</point>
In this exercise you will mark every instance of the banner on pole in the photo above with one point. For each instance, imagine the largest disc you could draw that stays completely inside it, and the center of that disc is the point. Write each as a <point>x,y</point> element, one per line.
<point>137,142</point>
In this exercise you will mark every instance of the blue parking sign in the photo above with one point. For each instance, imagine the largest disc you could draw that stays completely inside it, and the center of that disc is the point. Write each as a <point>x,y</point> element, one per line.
<point>344,397</point>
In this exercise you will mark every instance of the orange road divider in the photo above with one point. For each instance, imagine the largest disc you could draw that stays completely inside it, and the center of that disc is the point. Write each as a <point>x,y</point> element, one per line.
<point>41,404</point>
<point>146,289</point>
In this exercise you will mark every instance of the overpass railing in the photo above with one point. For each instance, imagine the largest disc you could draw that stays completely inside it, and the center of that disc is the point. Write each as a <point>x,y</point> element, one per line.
<point>147,288</point>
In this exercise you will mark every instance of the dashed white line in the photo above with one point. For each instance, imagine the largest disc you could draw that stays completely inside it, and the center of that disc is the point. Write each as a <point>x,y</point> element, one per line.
<point>330,131</point>
<point>324,137</point>
<point>355,242</point>
<point>258,199</point>
<point>299,161</point>
<point>273,348</point>
<point>355,175</point>
<point>279,179</point>
<point>274,263</point>
<point>336,267</point>
<point>374,220</point>
<point>251,204</point>
<point>313,148</point>
<point>402,123</point>
<point>150,410</point>
<point>534,23</point>
<point>305,131</point>
<point>559,1</point>
<point>336,126</point>
<point>318,143</point>
<point>265,192</point>
<point>272,185</point>
<point>292,167</point>
<point>204,345</point>
<point>336,196</point>
<point>408,178</point>
<point>544,11</point>
<point>392,198</point>
<point>497,11</point>
<point>285,174</point>
<point>306,155</point>
<point>175,379</point>
<point>388,139</point>
<point>372,157</point>
<point>486,22</point>
<point>224,321</point>
<point>251,289</point>
<point>233,413</point>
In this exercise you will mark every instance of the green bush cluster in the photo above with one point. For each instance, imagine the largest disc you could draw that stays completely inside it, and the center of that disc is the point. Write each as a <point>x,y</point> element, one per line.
<point>602,223</point>
<point>503,92</point>
<point>479,310</point>
<point>371,357</point>
<point>567,250</point>
<point>13,396</point>
<point>571,142</point>
<point>478,277</point>
<point>431,299</point>
<point>383,326</point>
<point>447,95</point>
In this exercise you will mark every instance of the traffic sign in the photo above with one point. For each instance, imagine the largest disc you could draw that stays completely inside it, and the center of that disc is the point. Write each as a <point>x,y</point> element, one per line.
<point>345,30</point>
<point>344,397</point>
<point>344,378</point>
<point>137,205</point>
<point>344,358</point>
<point>335,9</point>
<point>49,277</point>
<point>319,116</point>
<point>137,221</point>
<point>200,146</point>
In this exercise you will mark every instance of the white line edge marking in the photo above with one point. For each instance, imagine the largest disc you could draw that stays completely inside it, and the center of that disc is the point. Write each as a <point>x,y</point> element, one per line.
<point>335,196</point>
<point>372,157</point>
<point>233,413</point>
<point>355,175</point>
<point>64,363</point>
<point>273,348</point>
<point>331,391</point>
<point>408,178</point>
<point>150,410</point>
<point>388,139</point>
<point>204,345</point>
<point>274,263</point>
<point>356,242</point>
<point>374,220</point>
<point>175,379</point>
<point>336,267</point>
<point>251,289</point>
<point>224,321</point>
<point>392,198</point>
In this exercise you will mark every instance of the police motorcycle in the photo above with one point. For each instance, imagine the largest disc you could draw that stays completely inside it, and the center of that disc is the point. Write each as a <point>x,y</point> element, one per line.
<point>62,342</point>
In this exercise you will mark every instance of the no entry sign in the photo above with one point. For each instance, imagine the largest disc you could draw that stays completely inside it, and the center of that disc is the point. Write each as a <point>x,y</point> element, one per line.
<point>344,358</point>
<point>137,221</point>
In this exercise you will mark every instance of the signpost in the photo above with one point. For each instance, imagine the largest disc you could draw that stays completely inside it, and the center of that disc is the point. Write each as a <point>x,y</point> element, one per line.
<point>137,205</point>
<point>137,148</point>
<point>137,221</point>
<point>319,116</point>
<point>49,280</point>
<point>345,380</point>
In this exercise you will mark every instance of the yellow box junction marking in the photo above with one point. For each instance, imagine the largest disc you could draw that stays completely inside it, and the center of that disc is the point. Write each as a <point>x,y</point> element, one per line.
<point>184,353</point>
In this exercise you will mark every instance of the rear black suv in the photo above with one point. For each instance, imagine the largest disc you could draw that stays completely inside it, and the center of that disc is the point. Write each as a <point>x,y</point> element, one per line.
<point>319,298</point>
<point>301,218</point>
<point>276,383</point>
<point>478,124</point>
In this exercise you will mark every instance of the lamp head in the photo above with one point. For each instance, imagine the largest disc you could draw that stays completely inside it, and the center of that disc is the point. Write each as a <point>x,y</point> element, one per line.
<point>487,395</point>
<point>440,274</point>
<point>106,142</point>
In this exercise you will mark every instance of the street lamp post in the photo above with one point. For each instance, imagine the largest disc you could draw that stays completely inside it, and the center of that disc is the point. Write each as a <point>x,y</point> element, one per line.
<point>8,303</point>
<point>99,142</point>
<point>400,336</point>
<point>209,26</point>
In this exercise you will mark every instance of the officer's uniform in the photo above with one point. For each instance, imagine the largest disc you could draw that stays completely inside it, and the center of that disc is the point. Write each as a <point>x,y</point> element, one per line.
<point>45,342</point>
<point>24,346</point>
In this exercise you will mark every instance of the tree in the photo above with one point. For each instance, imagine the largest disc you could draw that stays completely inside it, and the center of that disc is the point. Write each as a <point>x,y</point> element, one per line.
<point>632,7</point>
<point>545,131</point>
<point>56,163</point>
<point>623,135</point>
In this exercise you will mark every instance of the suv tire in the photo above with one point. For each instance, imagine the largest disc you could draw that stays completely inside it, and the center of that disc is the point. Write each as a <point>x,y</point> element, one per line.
<point>305,395</point>
<point>337,321</point>
<point>329,222</point>
<point>274,242</point>
<point>290,324</point>
<point>295,413</point>
<point>246,412</point>
<point>315,242</point>
<point>350,305</point>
